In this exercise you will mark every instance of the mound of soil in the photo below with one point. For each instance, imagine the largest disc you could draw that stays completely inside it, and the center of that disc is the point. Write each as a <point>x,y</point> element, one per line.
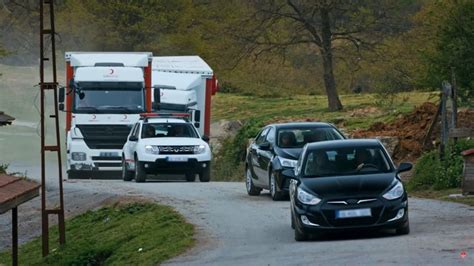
<point>412,128</point>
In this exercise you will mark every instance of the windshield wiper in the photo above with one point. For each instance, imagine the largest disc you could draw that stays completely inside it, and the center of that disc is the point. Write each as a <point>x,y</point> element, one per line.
<point>122,108</point>
<point>87,109</point>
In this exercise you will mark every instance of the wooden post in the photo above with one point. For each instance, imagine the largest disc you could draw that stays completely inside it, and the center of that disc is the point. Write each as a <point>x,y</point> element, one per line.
<point>454,99</point>
<point>444,121</point>
<point>15,236</point>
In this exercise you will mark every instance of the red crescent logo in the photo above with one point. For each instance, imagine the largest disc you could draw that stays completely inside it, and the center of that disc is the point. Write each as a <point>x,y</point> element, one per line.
<point>111,71</point>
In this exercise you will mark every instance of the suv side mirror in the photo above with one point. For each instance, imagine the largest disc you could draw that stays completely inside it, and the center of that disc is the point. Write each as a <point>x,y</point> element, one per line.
<point>205,138</point>
<point>264,146</point>
<point>404,167</point>
<point>133,138</point>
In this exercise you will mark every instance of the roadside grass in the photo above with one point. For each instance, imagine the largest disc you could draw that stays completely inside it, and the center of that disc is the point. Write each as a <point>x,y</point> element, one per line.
<point>443,195</point>
<point>238,107</point>
<point>130,234</point>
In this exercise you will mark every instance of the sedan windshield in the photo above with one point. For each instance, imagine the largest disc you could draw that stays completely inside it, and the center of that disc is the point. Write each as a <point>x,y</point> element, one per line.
<point>346,161</point>
<point>176,130</point>
<point>298,137</point>
<point>110,98</point>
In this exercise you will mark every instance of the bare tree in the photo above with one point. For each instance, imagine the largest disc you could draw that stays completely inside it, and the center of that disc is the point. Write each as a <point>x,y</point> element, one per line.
<point>330,25</point>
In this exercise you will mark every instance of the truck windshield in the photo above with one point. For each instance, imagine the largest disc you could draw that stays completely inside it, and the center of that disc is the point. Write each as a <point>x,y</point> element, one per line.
<point>110,98</point>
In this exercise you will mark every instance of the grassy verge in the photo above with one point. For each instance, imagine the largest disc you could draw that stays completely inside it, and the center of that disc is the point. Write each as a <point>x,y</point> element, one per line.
<point>443,195</point>
<point>131,234</point>
<point>360,110</point>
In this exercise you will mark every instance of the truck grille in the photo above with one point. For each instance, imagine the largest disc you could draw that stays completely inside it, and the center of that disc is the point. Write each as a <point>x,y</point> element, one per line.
<point>105,136</point>
<point>176,149</point>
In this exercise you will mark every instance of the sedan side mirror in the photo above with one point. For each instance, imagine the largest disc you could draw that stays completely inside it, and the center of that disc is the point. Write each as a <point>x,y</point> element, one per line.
<point>404,167</point>
<point>289,173</point>
<point>205,138</point>
<point>133,138</point>
<point>264,146</point>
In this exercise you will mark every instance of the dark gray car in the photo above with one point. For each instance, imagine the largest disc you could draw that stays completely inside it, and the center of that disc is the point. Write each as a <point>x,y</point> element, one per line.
<point>276,148</point>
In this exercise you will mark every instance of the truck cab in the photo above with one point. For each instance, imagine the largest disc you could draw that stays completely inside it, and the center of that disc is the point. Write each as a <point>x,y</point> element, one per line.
<point>106,93</point>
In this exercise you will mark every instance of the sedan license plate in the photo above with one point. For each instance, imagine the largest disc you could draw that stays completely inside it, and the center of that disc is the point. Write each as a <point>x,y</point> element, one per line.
<point>177,159</point>
<point>342,214</point>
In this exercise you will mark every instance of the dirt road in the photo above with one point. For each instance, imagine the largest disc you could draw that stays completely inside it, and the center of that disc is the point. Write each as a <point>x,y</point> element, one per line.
<point>235,229</point>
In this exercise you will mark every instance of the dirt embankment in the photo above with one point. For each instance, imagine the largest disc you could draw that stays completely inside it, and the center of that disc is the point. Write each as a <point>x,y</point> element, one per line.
<point>412,128</point>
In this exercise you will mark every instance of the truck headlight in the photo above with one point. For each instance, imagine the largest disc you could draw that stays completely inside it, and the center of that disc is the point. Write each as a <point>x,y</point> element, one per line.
<point>199,149</point>
<point>396,192</point>
<point>152,149</point>
<point>306,198</point>
<point>287,162</point>
<point>78,156</point>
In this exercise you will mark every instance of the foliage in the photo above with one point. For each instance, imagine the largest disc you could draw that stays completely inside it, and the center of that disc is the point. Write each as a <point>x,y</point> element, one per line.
<point>229,162</point>
<point>433,172</point>
<point>3,168</point>
<point>455,48</point>
<point>132,234</point>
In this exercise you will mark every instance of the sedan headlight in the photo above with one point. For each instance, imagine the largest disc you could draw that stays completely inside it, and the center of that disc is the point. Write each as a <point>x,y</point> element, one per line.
<point>396,192</point>
<point>306,198</point>
<point>199,149</point>
<point>287,162</point>
<point>152,149</point>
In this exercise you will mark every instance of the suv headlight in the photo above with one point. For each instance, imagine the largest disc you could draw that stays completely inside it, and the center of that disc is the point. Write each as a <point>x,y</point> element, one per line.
<point>199,149</point>
<point>287,162</point>
<point>306,198</point>
<point>396,192</point>
<point>152,149</point>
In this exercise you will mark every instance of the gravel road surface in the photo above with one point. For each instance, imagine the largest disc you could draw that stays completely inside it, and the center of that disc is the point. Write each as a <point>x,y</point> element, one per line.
<point>235,229</point>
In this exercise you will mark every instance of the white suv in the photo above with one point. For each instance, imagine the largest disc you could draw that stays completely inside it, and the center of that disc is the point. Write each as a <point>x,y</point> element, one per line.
<point>165,144</point>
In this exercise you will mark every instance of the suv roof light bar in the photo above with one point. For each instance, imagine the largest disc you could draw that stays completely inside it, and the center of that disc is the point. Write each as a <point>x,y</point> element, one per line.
<point>146,116</point>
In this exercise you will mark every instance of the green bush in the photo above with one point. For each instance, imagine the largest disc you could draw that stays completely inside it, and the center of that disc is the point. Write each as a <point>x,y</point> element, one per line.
<point>228,163</point>
<point>3,168</point>
<point>433,172</point>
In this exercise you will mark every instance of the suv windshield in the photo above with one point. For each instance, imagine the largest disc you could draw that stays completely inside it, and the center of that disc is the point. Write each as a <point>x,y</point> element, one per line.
<point>346,161</point>
<point>110,97</point>
<point>176,130</point>
<point>298,137</point>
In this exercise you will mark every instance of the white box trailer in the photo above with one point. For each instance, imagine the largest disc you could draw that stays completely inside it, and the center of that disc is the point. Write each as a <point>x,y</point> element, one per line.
<point>185,84</point>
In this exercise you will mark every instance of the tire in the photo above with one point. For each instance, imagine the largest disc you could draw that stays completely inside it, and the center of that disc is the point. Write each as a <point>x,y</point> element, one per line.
<point>76,175</point>
<point>274,189</point>
<point>300,235</point>
<point>205,175</point>
<point>190,177</point>
<point>404,229</point>
<point>140,175</point>
<point>126,175</point>
<point>252,190</point>
<point>292,221</point>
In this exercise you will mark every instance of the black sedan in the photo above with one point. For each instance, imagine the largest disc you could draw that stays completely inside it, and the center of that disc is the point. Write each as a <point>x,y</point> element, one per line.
<point>348,184</point>
<point>277,147</point>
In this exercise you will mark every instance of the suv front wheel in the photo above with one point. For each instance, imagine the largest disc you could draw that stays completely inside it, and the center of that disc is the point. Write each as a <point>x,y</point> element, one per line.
<point>140,175</point>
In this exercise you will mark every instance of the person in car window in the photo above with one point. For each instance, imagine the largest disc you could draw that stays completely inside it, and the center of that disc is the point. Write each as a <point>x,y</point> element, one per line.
<point>149,131</point>
<point>178,131</point>
<point>362,156</point>
<point>287,139</point>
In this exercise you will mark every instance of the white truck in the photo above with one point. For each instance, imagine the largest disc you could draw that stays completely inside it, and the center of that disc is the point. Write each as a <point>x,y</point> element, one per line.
<point>185,84</point>
<point>166,143</point>
<point>106,92</point>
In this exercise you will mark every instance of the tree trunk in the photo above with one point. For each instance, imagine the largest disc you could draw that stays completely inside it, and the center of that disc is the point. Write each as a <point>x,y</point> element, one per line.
<point>334,104</point>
